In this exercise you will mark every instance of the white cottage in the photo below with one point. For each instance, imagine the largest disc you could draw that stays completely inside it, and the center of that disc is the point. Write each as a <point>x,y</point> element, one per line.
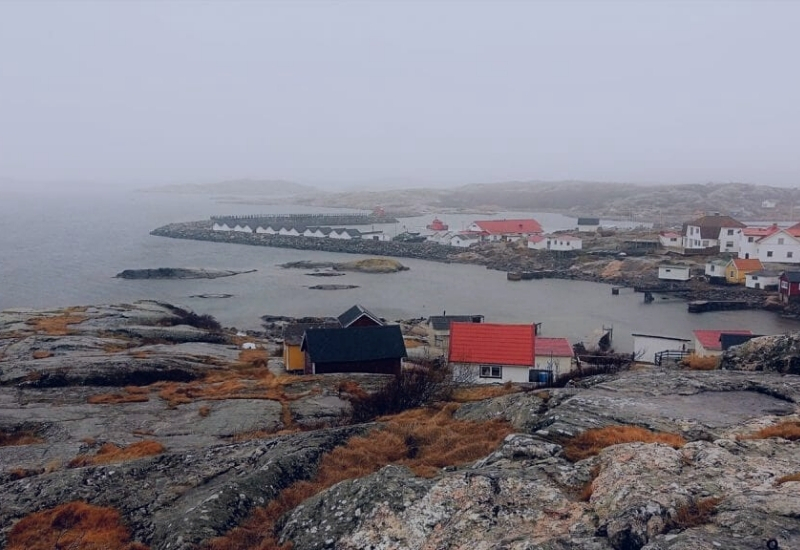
<point>782,246</point>
<point>243,228</point>
<point>464,240</point>
<point>674,272</point>
<point>555,242</point>
<point>763,280</point>
<point>714,231</point>
<point>221,226</point>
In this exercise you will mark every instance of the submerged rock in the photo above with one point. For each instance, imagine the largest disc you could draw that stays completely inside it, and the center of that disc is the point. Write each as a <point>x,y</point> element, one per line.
<point>178,273</point>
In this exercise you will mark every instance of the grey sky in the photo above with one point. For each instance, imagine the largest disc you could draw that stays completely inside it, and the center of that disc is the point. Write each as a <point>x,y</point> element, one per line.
<point>440,92</point>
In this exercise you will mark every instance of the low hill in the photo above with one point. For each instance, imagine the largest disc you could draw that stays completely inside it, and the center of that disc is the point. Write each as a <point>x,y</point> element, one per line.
<point>238,187</point>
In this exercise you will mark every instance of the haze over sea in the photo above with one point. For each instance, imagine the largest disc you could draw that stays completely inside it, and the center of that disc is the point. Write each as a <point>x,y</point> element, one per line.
<point>61,249</point>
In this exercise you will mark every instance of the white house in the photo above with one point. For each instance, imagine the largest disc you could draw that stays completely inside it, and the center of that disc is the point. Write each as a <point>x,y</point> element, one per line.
<point>291,231</point>
<point>715,269</point>
<point>766,203</point>
<point>464,240</point>
<point>505,230</point>
<point>763,280</point>
<point>490,353</point>
<point>554,354</point>
<point>674,272</point>
<point>555,242</point>
<point>346,234</point>
<point>221,226</point>
<point>714,231</point>
<point>375,236</point>
<point>669,239</point>
<point>588,225</point>
<point>265,230</point>
<point>707,342</point>
<point>245,228</point>
<point>751,236</point>
<point>441,237</point>
<point>645,346</point>
<point>782,246</point>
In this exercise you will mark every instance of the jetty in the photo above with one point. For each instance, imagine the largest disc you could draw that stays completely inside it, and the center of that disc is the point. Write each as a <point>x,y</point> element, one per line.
<point>701,306</point>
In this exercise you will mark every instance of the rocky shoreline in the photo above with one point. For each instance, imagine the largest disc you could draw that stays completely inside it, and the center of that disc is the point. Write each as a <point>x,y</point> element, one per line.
<point>230,432</point>
<point>578,266</point>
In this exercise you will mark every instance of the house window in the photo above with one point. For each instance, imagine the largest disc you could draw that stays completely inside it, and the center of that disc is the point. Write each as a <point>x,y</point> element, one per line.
<point>705,244</point>
<point>730,231</point>
<point>789,254</point>
<point>491,372</point>
<point>729,244</point>
<point>780,240</point>
<point>712,267</point>
<point>750,239</point>
<point>769,253</point>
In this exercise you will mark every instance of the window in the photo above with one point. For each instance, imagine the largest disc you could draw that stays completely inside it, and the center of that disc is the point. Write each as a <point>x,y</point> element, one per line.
<point>789,254</point>
<point>749,239</point>
<point>780,240</point>
<point>769,253</point>
<point>729,244</point>
<point>713,267</point>
<point>730,231</point>
<point>705,244</point>
<point>491,372</point>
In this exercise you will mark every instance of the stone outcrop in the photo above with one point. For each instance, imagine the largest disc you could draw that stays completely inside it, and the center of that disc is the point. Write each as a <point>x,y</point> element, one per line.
<point>177,273</point>
<point>779,353</point>
<point>227,454</point>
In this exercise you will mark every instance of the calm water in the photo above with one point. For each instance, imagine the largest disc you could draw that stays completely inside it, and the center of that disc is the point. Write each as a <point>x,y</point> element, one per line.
<point>64,250</point>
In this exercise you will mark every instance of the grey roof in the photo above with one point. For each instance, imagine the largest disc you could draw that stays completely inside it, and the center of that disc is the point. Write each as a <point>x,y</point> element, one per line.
<point>293,334</point>
<point>345,345</point>
<point>765,273</point>
<point>354,313</point>
<point>710,225</point>
<point>588,221</point>
<point>792,276</point>
<point>442,322</point>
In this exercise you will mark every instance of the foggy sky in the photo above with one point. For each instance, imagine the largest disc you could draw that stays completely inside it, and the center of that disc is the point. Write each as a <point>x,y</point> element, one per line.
<point>433,92</point>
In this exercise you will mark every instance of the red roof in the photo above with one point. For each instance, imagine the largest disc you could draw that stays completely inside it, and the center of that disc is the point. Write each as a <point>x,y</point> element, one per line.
<point>670,234</point>
<point>535,239</point>
<point>760,231</point>
<point>709,339</point>
<point>747,265</point>
<point>494,344</point>
<point>498,227</point>
<point>557,347</point>
<point>794,230</point>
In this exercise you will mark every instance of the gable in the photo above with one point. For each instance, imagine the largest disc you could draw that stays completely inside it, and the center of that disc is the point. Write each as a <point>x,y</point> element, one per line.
<point>490,343</point>
<point>360,316</point>
<point>773,238</point>
<point>354,344</point>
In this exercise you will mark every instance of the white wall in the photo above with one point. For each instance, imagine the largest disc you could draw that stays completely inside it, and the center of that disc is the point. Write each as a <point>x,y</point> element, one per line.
<point>561,365</point>
<point>470,374</point>
<point>674,273</point>
<point>729,242</point>
<point>778,247</point>
<point>645,347</point>
<point>750,281</point>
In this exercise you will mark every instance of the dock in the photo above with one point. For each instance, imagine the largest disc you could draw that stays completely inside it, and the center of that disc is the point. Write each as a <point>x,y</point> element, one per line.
<point>701,306</point>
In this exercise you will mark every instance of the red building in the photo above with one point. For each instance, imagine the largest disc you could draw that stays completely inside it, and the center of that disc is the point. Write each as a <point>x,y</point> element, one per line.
<point>789,287</point>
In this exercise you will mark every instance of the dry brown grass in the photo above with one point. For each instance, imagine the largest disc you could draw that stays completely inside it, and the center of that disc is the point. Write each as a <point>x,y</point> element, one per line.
<point>21,473</point>
<point>42,354</point>
<point>19,437</point>
<point>141,354</point>
<point>585,493</point>
<point>786,479</point>
<point>109,453</point>
<point>255,357</point>
<point>425,440</point>
<point>204,411</point>
<point>72,525</point>
<point>479,393</point>
<point>787,430</point>
<point>695,513</point>
<point>55,325</point>
<point>351,387</point>
<point>693,362</point>
<point>591,442</point>
<point>130,394</point>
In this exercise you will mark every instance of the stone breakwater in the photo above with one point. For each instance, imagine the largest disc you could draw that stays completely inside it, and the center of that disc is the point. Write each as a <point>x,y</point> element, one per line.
<point>201,231</point>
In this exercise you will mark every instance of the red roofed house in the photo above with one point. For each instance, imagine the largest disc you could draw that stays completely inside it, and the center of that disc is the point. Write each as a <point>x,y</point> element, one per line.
<point>487,353</point>
<point>789,286</point>
<point>748,245</point>
<point>782,246</point>
<point>670,239</point>
<point>737,269</point>
<point>506,230</point>
<point>707,342</point>
<point>554,354</point>
<point>721,233</point>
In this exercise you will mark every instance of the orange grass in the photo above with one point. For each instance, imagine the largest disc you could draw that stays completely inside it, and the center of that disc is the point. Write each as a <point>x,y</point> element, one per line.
<point>19,437</point>
<point>109,453</point>
<point>425,440</point>
<point>21,473</point>
<point>786,479</point>
<point>479,393</point>
<point>591,442</point>
<point>56,325</point>
<point>693,362</point>
<point>72,525</point>
<point>787,430</point>
<point>695,513</point>
<point>131,394</point>
<point>41,354</point>
<point>255,357</point>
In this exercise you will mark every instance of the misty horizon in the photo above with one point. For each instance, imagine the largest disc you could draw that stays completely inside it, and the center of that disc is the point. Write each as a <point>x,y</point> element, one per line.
<point>352,95</point>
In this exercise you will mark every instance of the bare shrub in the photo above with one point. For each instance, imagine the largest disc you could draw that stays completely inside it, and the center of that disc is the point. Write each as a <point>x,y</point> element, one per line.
<point>19,437</point>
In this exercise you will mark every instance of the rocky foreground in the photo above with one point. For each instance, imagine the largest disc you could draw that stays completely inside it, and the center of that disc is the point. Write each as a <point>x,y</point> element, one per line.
<point>222,432</point>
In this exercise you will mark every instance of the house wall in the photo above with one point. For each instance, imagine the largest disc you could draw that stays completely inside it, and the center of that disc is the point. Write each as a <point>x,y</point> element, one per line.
<point>669,242</point>
<point>729,239</point>
<point>748,247</point>
<point>761,282</point>
<point>789,291</point>
<point>673,273</point>
<point>462,243</point>
<point>733,275</point>
<point>470,373</point>
<point>700,351</point>
<point>646,347</point>
<point>779,247</point>
<point>364,321</point>
<point>560,365</point>
<point>382,366</point>
<point>692,239</point>
<point>715,270</point>
<point>293,358</point>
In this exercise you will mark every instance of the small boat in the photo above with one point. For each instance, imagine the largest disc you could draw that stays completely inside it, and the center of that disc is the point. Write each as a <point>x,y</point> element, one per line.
<point>437,225</point>
<point>514,276</point>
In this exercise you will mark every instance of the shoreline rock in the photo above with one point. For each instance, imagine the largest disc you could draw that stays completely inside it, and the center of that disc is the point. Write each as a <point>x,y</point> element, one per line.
<point>178,273</point>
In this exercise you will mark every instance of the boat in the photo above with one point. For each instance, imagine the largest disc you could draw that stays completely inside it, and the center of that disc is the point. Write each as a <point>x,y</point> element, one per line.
<point>437,225</point>
<point>514,276</point>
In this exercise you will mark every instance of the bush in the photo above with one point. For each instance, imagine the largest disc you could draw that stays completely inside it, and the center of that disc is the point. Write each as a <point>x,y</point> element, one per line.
<point>410,389</point>
<point>786,479</point>
<point>694,362</point>
<point>786,430</point>
<point>591,442</point>
<point>694,513</point>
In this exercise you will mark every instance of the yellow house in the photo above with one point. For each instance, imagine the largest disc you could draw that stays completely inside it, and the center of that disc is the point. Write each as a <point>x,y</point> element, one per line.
<point>294,360</point>
<point>738,268</point>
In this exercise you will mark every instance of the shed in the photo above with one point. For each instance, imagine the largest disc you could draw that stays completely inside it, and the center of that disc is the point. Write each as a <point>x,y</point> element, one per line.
<point>763,280</point>
<point>293,358</point>
<point>588,225</point>
<point>674,272</point>
<point>707,343</point>
<point>789,288</point>
<point>554,354</point>
<point>377,350</point>
<point>439,326</point>
<point>359,316</point>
